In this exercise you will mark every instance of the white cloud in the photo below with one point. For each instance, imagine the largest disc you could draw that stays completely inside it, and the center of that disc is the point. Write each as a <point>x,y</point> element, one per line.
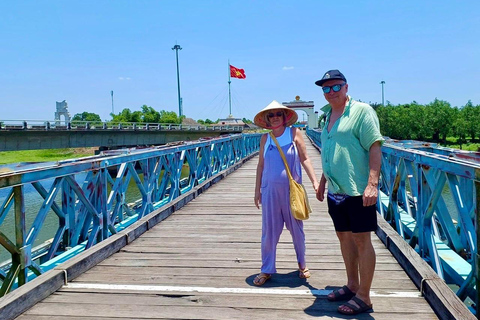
<point>287,68</point>
<point>123,78</point>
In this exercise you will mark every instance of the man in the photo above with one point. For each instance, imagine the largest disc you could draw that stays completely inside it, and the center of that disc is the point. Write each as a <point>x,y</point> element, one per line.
<point>351,161</point>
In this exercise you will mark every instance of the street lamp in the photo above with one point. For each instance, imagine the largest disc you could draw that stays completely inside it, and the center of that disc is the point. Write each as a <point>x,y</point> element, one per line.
<point>176,48</point>
<point>383,99</point>
<point>113,112</point>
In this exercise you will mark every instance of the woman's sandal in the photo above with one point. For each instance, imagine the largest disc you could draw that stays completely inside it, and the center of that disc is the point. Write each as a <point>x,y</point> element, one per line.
<point>353,309</point>
<point>337,296</point>
<point>304,273</point>
<point>261,278</point>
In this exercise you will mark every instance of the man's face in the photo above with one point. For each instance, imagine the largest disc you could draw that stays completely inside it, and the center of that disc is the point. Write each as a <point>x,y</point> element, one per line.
<point>336,97</point>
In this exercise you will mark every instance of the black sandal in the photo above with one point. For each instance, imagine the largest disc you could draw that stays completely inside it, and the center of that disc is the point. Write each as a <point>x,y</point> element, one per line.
<point>362,307</point>
<point>346,295</point>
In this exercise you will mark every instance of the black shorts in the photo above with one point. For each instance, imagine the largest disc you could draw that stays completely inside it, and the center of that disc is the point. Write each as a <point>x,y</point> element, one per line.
<point>351,215</point>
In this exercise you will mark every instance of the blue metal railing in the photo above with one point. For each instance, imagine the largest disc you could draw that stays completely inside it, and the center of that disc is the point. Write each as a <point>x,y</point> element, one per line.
<point>431,197</point>
<point>91,198</point>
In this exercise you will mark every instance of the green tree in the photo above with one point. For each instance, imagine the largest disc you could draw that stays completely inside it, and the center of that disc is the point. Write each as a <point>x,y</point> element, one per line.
<point>86,116</point>
<point>415,118</point>
<point>470,114</point>
<point>459,126</point>
<point>150,115</point>
<point>92,118</point>
<point>170,117</point>
<point>126,115</point>
<point>394,121</point>
<point>147,115</point>
<point>438,119</point>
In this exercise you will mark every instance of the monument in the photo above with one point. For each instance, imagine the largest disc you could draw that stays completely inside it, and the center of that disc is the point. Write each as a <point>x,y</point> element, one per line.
<point>307,107</point>
<point>62,110</point>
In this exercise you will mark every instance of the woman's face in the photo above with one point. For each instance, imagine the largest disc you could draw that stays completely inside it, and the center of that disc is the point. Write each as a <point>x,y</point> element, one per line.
<point>275,117</point>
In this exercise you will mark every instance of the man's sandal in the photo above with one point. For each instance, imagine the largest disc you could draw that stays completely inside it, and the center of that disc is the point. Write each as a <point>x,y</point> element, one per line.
<point>304,273</point>
<point>355,309</point>
<point>337,296</point>
<point>261,278</point>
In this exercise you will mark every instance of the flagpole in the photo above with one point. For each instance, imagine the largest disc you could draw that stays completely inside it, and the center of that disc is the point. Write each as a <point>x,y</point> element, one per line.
<point>229,92</point>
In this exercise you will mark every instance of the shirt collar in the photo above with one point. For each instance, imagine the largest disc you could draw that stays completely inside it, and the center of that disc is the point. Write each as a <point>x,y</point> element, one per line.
<point>327,108</point>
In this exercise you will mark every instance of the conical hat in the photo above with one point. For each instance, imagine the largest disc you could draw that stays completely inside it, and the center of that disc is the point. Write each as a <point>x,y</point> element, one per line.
<point>261,118</point>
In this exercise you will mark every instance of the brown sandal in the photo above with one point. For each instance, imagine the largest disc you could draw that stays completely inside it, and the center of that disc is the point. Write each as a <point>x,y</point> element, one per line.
<point>304,273</point>
<point>261,278</point>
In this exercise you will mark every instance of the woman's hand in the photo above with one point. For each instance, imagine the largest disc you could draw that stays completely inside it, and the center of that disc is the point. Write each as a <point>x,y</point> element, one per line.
<point>257,199</point>
<point>321,190</point>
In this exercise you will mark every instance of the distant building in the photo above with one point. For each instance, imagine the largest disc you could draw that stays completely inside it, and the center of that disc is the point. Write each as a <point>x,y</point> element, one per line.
<point>190,122</point>
<point>231,121</point>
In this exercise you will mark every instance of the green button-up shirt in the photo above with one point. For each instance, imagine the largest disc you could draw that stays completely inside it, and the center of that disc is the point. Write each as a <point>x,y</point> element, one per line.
<point>345,149</point>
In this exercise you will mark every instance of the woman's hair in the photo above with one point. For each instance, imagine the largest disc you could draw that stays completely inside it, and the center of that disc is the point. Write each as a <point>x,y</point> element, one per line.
<point>267,119</point>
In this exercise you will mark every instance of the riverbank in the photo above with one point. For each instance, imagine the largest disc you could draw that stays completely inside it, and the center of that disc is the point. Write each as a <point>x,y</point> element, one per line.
<point>46,155</point>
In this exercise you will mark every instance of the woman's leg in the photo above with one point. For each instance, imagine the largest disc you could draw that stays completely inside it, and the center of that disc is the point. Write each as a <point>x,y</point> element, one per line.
<point>272,226</point>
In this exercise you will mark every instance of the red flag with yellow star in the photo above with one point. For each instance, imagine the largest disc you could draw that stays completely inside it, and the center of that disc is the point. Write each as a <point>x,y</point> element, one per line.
<point>237,73</point>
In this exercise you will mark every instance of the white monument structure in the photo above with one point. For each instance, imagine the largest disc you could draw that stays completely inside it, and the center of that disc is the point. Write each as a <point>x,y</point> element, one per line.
<point>307,107</point>
<point>62,110</point>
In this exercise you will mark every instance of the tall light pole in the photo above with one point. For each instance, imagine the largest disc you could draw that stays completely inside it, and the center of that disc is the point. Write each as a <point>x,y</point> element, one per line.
<point>177,47</point>
<point>113,112</point>
<point>383,97</point>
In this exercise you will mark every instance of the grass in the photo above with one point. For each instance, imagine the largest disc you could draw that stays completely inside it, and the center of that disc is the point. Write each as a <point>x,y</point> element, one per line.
<point>453,142</point>
<point>467,147</point>
<point>45,155</point>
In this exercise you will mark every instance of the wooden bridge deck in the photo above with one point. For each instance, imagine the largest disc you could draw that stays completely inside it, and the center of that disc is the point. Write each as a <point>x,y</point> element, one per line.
<point>199,263</point>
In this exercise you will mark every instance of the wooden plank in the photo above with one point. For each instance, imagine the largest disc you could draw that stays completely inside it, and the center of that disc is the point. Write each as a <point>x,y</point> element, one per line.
<point>326,274</point>
<point>284,278</point>
<point>18,301</point>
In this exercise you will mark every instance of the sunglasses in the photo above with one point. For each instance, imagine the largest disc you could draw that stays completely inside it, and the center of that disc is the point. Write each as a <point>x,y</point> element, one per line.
<point>276,114</point>
<point>335,88</point>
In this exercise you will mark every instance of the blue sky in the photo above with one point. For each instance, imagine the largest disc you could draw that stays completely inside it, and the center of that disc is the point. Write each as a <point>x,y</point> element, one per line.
<point>80,51</point>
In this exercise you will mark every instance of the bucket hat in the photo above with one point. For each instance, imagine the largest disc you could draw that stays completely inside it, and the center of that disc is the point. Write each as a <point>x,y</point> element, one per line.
<point>261,118</point>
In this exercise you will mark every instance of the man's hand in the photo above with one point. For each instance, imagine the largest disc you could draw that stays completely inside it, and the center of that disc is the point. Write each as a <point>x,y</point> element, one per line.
<point>370,195</point>
<point>321,190</point>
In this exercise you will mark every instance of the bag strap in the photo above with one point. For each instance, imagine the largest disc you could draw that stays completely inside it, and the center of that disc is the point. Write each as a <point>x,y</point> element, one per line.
<point>282,155</point>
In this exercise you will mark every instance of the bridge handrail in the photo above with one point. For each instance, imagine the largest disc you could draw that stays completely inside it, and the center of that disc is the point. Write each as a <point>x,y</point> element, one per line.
<point>107,125</point>
<point>431,196</point>
<point>91,198</point>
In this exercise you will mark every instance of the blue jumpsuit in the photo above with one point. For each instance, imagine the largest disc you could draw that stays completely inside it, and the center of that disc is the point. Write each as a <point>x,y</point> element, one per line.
<point>276,204</point>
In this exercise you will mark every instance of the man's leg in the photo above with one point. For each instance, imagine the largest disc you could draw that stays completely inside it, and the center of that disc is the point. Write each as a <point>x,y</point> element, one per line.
<point>366,264</point>
<point>350,258</point>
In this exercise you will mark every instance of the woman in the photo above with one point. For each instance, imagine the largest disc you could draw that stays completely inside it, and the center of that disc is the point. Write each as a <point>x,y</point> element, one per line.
<point>272,187</point>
